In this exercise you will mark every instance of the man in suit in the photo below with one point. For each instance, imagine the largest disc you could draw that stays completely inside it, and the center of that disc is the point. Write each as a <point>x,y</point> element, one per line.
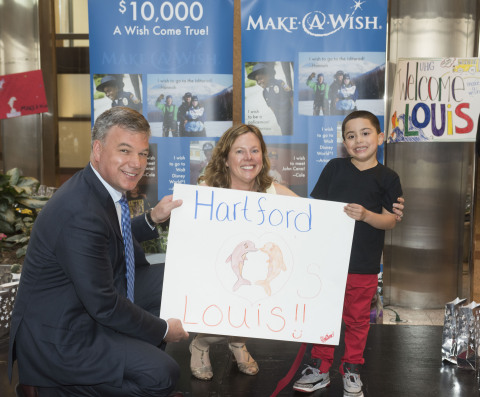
<point>73,330</point>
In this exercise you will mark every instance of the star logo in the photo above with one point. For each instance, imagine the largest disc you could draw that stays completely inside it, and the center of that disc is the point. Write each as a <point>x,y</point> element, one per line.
<point>358,4</point>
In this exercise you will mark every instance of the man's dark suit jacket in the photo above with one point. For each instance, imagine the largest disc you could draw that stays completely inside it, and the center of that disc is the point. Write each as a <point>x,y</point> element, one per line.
<point>71,320</point>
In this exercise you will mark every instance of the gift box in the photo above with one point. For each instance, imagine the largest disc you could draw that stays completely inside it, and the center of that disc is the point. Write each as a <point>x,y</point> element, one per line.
<point>449,340</point>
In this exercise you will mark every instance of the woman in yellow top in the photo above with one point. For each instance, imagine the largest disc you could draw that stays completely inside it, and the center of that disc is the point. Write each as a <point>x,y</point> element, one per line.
<point>239,161</point>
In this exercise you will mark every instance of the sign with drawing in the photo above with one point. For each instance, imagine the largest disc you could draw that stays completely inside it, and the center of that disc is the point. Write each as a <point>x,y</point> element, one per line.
<point>257,265</point>
<point>22,94</point>
<point>435,99</point>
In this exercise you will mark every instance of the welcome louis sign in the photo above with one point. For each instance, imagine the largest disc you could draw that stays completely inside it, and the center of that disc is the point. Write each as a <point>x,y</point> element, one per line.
<point>435,99</point>
<point>257,265</point>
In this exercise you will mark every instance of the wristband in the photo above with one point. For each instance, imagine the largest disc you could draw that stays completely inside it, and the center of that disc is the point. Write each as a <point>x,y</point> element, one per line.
<point>148,217</point>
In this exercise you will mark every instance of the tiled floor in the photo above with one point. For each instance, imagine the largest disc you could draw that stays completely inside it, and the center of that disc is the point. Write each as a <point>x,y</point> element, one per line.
<point>397,316</point>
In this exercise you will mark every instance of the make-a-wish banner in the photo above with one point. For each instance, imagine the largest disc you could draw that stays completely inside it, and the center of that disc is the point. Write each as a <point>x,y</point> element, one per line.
<point>171,61</point>
<point>306,65</point>
<point>257,265</point>
<point>22,94</point>
<point>435,100</point>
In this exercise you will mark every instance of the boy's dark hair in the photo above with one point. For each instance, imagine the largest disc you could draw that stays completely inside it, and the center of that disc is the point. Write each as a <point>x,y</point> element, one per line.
<point>361,114</point>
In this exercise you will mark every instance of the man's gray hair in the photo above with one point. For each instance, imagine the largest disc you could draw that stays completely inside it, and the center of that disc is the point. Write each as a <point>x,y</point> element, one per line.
<point>120,116</point>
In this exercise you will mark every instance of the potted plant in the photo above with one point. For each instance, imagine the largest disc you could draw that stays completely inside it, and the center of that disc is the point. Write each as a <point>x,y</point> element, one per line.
<point>19,207</point>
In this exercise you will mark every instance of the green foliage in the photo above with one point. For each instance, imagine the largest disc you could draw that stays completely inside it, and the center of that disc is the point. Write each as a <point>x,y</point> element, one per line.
<point>19,207</point>
<point>97,78</point>
<point>248,68</point>
<point>16,268</point>
<point>158,245</point>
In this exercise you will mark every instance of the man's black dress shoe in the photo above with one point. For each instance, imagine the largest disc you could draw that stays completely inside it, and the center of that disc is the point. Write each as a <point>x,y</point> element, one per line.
<point>26,391</point>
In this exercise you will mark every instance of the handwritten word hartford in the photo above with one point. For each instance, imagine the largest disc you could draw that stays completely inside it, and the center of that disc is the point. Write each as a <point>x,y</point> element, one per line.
<point>259,212</point>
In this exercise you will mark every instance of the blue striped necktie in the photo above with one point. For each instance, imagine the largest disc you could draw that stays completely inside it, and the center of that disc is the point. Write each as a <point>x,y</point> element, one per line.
<point>127,240</point>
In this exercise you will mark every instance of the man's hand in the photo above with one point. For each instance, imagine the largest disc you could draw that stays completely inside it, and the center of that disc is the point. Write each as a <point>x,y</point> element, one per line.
<point>398,209</point>
<point>161,212</point>
<point>312,75</point>
<point>175,331</point>
<point>160,97</point>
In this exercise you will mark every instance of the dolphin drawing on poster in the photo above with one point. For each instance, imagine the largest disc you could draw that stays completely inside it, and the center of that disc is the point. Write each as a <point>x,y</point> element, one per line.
<point>266,263</point>
<point>276,265</point>
<point>237,259</point>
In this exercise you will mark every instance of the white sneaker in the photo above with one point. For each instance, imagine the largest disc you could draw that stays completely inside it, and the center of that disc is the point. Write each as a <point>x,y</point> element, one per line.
<point>352,385</point>
<point>312,379</point>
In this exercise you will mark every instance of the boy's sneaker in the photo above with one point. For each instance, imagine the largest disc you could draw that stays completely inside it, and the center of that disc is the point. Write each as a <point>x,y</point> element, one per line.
<point>352,385</point>
<point>312,379</point>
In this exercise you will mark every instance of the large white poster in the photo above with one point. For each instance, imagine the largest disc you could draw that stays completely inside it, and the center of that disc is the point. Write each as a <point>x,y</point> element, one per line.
<point>257,265</point>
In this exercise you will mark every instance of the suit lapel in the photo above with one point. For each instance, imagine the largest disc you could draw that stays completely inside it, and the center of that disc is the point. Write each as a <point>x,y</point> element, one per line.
<point>105,199</point>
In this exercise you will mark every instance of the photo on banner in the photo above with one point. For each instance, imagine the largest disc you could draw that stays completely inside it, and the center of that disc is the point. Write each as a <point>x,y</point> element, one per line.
<point>190,105</point>
<point>288,165</point>
<point>338,83</point>
<point>269,97</point>
<point>112,90</point>
<point>144,196</point>
<point>200,154</point>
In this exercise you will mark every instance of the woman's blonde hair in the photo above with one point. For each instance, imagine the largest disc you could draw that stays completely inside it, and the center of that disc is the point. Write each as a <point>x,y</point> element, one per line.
<point>217,173</point>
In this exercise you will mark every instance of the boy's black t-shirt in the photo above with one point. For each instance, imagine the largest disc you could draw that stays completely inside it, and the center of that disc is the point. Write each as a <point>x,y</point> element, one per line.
<point>374,188</point>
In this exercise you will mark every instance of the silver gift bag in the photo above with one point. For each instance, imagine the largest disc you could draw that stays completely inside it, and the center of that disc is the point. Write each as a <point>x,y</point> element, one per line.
<point>467,336</point>
<point>449,345</point>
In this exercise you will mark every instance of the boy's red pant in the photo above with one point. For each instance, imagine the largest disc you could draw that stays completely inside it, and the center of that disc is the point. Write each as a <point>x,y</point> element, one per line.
<point>359,293</point>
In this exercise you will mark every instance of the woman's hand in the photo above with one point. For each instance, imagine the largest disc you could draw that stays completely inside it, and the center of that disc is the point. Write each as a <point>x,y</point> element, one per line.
<point>398,209</point>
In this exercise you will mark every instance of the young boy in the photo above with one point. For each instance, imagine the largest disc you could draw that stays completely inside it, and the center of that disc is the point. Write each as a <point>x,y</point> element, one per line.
<point>372,189</point>
<point>112,86</point>
<point>170,112</point>
<point>277,95</point>
<point>320,89</point>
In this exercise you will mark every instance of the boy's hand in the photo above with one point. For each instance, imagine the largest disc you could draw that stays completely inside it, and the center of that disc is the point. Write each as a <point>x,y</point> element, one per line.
<point>355,211</point>
<point>312,75</point>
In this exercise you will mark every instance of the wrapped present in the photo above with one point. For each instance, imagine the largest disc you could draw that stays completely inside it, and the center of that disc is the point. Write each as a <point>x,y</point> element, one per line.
<point>449,344</point>
<point>467,339</point>
<point>8,292</point>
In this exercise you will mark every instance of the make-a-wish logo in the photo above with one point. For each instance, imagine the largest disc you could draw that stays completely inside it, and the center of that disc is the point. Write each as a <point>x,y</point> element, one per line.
<point>318,23</point>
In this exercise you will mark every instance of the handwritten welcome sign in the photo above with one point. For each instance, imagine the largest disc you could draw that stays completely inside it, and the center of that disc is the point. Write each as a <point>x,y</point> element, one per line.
<point>257,265</point>
<point>435,100</point>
